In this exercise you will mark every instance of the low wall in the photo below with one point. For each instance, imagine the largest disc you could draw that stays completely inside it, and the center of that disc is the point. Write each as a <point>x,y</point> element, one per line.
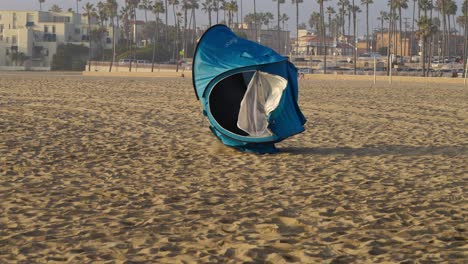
<point>23,68</point>
<point>156,74</point>
<point>381,79</point>
<point>103,66</point>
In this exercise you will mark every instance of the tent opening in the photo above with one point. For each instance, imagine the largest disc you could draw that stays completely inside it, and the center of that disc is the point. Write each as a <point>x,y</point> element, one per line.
<point>225,101</point>
<point>241,103</point>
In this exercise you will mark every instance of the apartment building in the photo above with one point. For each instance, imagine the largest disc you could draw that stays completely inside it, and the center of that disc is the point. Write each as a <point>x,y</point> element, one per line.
<point>32,37</point>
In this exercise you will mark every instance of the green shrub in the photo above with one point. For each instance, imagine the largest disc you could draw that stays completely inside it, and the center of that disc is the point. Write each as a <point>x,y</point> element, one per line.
<point>70,57</point>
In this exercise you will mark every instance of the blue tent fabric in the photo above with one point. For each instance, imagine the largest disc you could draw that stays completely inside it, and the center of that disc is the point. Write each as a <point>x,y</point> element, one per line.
<point>223,64</point>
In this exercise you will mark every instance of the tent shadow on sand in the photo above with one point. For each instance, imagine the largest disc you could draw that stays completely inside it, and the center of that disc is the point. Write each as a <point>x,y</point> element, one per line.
<point>399,150</point>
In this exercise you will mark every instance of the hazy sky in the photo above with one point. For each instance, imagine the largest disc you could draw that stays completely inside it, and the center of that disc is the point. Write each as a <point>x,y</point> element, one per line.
<point>262,5</point>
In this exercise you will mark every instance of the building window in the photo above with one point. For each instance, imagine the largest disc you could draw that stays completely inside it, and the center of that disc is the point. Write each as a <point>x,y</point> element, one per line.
<point>13,40</point>
<point>14,20</point>
<point>53,29</point>
<point>0,17</point>
<point>7,39</point>
<point>61,19</point>
<point>7,51</point>
<point>30,18</point>
<point>46,29</point>
<point>1,28</point>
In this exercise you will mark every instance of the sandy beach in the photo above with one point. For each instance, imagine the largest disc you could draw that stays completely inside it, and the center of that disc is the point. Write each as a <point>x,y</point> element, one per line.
<point>125,170</point>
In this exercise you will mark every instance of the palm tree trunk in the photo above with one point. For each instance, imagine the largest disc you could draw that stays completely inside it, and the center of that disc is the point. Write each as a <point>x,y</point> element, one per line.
<point>89,37</point>
<point>431,48</point>
<point>355,38</point>
<point>209,16</point>
<point>324,47</point>
<point>381,30</point>
<point>449,36</point>
<point>343,13</point>
<point>176,25</point>
<point>242,13</point>
<point>185,27</point>
<point>154,42</point>
<point>194,30</point>
<point>367,26</point>
<point>166,26</point>
<point>297,27</point>
<point>256,22</point>
<point>389,44</point>
<point>400,33</point>
<point>113,45</point>
<point>444,34</point>
<point>465,49</point>
<point>412,30</point>
<point>279,31</point>
<point>217,10</point>
<point>349,22</point>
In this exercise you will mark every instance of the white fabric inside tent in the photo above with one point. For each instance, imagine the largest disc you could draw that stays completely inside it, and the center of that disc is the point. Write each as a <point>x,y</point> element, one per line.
<point>261,98</point>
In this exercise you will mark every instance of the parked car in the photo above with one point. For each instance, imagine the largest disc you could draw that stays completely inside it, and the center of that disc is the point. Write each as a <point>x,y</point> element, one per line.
<point>125,61</point>
<point>305,70</point>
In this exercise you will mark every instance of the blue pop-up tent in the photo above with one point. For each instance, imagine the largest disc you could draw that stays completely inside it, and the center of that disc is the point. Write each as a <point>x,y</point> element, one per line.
<point>248,91</point>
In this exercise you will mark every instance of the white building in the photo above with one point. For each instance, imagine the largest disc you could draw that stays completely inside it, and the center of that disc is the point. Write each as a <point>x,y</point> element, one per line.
<point>35,35</point>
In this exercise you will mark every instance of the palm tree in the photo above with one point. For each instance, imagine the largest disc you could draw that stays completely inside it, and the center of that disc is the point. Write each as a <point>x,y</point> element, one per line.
<point>40,4</point>
<point>185,7</point>
<point>330,12</point>
<point>55,8</point>
<point>442,7</point>
<point>401,4</point>
<point>256,20</point>
<point>391,19</point>
<point>426,29</point>
<point>350,13</point>
<point>314,21</point>
<point>157,9</point>
<point>279,2</point>
<point>284,17</point>
<point>166,19</point>
<point>322,34</point>
<point>124,16</point>
<point>367,3</point>
<point>193,4</point>
<point>102,13</point>
<point>344,4</point>
<point>133,5</point>
<point>102,18</point>
<point>465,48</point>
<point>216,8</point>
<point>146,5</point>
<point>297,2</point>
<point>412,28</point>
<point>89,12</point>
<point>383,17</point>
<point>231,8</point>
<point>207,6</point>
<point>356,10</point>
<point>174,4</point>
<point>111,7</point>
<point>266,18</point>
<point>451,11</point>
<point>77,8</point>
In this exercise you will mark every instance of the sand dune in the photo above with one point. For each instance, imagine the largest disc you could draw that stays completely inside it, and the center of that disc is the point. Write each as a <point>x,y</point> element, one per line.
<point>126,170</point>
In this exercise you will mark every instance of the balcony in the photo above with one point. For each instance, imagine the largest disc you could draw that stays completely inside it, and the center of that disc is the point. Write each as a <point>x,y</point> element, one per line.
<point>47,37</point>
